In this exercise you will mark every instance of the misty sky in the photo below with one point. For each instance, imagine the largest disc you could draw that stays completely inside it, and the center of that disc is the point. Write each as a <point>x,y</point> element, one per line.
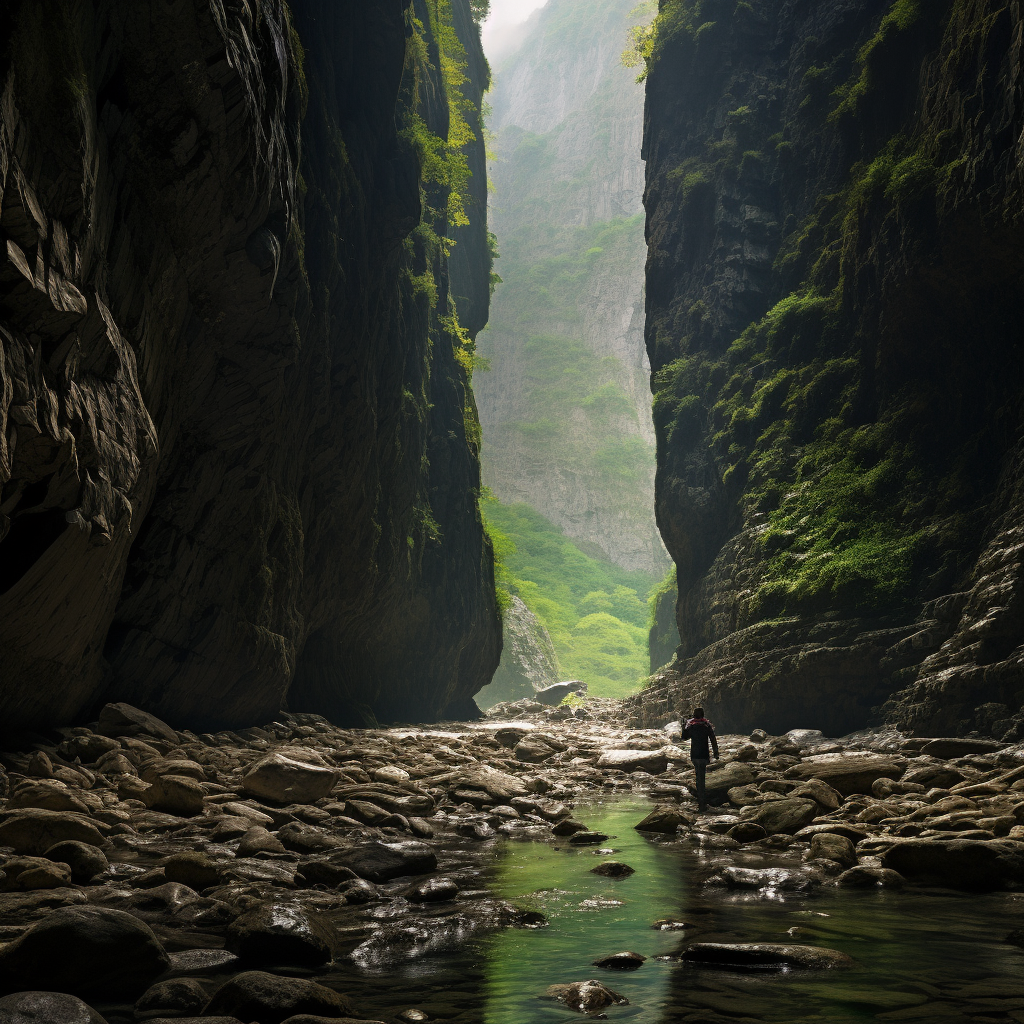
<point>504,15</point>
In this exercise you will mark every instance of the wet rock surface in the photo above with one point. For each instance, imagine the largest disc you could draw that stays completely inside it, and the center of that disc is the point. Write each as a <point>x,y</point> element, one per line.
<point>265,906</point>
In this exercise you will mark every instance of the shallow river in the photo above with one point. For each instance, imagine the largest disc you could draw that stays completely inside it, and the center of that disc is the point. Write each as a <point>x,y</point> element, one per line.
<point>920,955</point>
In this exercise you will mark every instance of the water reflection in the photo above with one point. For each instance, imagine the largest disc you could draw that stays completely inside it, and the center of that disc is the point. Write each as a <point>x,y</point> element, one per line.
<point>589,916</point>
<point>920,956</point>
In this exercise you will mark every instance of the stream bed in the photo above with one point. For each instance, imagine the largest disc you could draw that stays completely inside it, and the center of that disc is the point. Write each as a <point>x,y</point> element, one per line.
<point>920,954</point>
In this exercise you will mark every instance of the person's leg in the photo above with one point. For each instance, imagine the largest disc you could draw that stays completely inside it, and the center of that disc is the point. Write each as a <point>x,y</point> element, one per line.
<point>701,766</point>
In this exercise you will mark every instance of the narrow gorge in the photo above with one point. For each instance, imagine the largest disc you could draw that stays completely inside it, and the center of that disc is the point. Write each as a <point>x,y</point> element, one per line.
<point>415,415</point>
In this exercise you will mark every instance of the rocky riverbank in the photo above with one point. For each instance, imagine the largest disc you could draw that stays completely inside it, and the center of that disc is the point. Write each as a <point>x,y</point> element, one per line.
<point>156,874</point>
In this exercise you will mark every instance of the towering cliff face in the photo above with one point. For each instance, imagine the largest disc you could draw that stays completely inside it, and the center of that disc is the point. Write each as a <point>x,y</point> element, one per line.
<point>566,404</point>
<point>834,290</point>
<point>238,446</point>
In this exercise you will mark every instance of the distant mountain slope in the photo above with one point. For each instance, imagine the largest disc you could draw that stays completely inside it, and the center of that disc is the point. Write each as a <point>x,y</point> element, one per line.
<point>565,407</point>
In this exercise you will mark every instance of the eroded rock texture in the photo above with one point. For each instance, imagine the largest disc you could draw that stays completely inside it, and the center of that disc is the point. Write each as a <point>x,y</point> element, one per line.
<point>238,447</point>
<point>834,298</point>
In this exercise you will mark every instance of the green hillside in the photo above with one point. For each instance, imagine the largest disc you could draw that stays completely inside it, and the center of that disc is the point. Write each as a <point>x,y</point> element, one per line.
<point>595,611</point>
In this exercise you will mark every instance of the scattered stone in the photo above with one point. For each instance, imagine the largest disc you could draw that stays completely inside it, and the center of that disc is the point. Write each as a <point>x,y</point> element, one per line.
<point>40,874</point>
<point>84,861</point>
<point>50,794</point>
<point>177,997</point>
<point>533,750</point>
<point>669,924</point>
<point>284,780</point>
<point>196,870</point>
<point>280,934</point>
<point>33,830</point>
<point>588,838</point>
<point>627,961</point>
<point>586,996</point>
<point>763,955</point>
<point>663,819</point>
<point>783,815</point>
<point>613,869</point>
<point>557,692</point>
<point>124,720</point>
<point>434,890</point>
<point>84,951</point>
<point>848,772</point>
<point>720,780</point>
<point>747,832</point>
<point>568,827</point>
<point>830,846</point>
<point>46,1008</point>
<point>202,962</point>
<point>381,862</point>
<point>948,748</point>
<point>653,761</point>
<point>867,876</point>
<point>272,999</point>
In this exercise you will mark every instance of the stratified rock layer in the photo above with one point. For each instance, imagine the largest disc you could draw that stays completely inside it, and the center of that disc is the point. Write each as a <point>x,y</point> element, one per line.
<point>834,286</point>
<point>238,446</point>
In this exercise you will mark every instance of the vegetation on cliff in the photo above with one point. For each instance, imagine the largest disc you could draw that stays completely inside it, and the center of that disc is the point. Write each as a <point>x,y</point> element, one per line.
<point>594,611</point>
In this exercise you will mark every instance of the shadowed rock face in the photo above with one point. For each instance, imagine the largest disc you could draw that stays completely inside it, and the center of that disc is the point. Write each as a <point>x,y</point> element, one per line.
<point>833,287</point>
<point>238,452</point>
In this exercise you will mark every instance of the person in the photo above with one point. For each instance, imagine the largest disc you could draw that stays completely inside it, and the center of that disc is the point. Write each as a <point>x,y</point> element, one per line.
<point>701,734</point>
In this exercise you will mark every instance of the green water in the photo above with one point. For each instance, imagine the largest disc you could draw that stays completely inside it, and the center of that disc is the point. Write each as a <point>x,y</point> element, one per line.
<point>920,955</point>
<point>589,917</point>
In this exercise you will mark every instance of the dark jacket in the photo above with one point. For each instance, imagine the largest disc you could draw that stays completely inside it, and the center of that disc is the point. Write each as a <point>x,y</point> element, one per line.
<point>699,731</point>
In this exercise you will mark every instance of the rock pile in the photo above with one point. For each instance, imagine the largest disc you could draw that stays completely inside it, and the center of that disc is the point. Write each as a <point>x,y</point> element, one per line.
<point>196,873</point>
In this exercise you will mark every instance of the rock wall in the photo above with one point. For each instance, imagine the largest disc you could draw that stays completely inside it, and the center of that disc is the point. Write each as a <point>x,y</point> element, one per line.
<point>238,445</point>
<point>566,403</point>
<point>834,285</point>
<point>528,659</point>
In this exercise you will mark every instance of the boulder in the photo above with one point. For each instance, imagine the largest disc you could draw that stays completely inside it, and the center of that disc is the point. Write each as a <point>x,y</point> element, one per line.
<point>272,999</point>
<point>124,720</point>
<point>283,780</point>
<point>868,876</point>
<point>820,792</point>
<point>662,819</point>
<point>174,998</point>
<point>747,832</point>
<point>763,955</point>
<point>280,934</point>
<point>380,862</point>
<point>196,870</point>
<point>553,695</point>
<point>588,838</point>
<point>958,863</point>
<point>434,890</point>
<point>33,830</point>
<point>653,761</point>
<point>848,772</point>
<point>50,794</point>
<point>613,869</point>
<point>84,861</point>
<point>720,780</point>
<point>533,750</point>
<point>499,785</point>
<point>627,961</point>
<point>85,951</point>
<point>175,794</point>
<point>947,748</point>
<point>829,846</point>
<point>258,840</point>
<point>785,815</point>
<point>46,1008</point>
<point>38,873</point>
<point>586,996</point>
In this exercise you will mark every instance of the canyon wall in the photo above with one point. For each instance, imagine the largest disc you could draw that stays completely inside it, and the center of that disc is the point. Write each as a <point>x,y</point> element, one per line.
<point>238,442</point>
<point>834,300</point>
<point>565,404</point>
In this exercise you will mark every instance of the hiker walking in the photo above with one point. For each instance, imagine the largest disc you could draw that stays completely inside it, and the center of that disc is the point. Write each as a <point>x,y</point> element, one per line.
<point>700,732</point>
